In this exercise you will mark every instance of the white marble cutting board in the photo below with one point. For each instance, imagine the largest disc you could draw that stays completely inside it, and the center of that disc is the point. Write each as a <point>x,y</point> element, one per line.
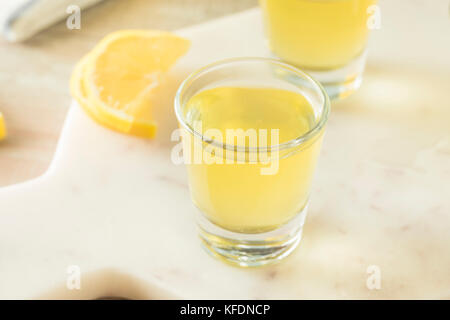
<point>119,209</point>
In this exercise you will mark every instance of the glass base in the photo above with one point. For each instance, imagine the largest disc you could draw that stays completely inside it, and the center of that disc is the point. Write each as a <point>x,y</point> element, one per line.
<point>340,83</point>
<point>251,250</point>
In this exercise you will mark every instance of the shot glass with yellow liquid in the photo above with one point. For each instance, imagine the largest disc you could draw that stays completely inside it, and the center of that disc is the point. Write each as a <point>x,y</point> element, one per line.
<point>326,38</point>
<point>252,130</point>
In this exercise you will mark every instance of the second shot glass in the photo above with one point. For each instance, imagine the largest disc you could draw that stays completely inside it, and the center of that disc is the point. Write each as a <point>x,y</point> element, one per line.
<point>326,38</point>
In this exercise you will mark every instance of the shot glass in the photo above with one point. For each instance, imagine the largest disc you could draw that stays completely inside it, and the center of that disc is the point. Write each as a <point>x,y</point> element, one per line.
<point>326,38</point>
<point>251,189</point>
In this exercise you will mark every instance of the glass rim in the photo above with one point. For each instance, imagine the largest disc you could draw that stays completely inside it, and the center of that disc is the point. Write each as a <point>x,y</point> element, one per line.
<point>282,146</point>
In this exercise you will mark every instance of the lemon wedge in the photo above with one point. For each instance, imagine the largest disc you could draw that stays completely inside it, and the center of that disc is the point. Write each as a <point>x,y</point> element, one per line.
<point>3,131</point>
<point>115,82</point>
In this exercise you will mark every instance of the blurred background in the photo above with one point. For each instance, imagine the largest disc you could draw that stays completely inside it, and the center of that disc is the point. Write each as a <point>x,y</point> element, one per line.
<point>34,74</point>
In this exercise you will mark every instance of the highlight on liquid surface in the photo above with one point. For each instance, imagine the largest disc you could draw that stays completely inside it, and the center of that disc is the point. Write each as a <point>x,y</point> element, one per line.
<point>237,196</point>
<point>317,34</point>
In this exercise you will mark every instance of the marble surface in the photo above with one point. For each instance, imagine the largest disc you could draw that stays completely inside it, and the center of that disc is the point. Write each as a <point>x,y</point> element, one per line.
<point>120,210</point>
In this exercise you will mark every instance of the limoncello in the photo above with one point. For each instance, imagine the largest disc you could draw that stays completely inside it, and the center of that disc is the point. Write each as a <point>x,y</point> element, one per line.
<point>317,34</point>
<point>236,195</point>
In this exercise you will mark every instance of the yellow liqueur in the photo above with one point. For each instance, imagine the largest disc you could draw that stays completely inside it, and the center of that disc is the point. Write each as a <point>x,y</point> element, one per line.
<point>317,34</point>
<point>236,195</point>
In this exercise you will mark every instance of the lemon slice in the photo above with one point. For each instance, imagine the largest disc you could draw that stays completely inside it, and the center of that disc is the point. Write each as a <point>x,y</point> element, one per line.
<point>106,117</point>
<point>116,81</point>
<point>2,127</point>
